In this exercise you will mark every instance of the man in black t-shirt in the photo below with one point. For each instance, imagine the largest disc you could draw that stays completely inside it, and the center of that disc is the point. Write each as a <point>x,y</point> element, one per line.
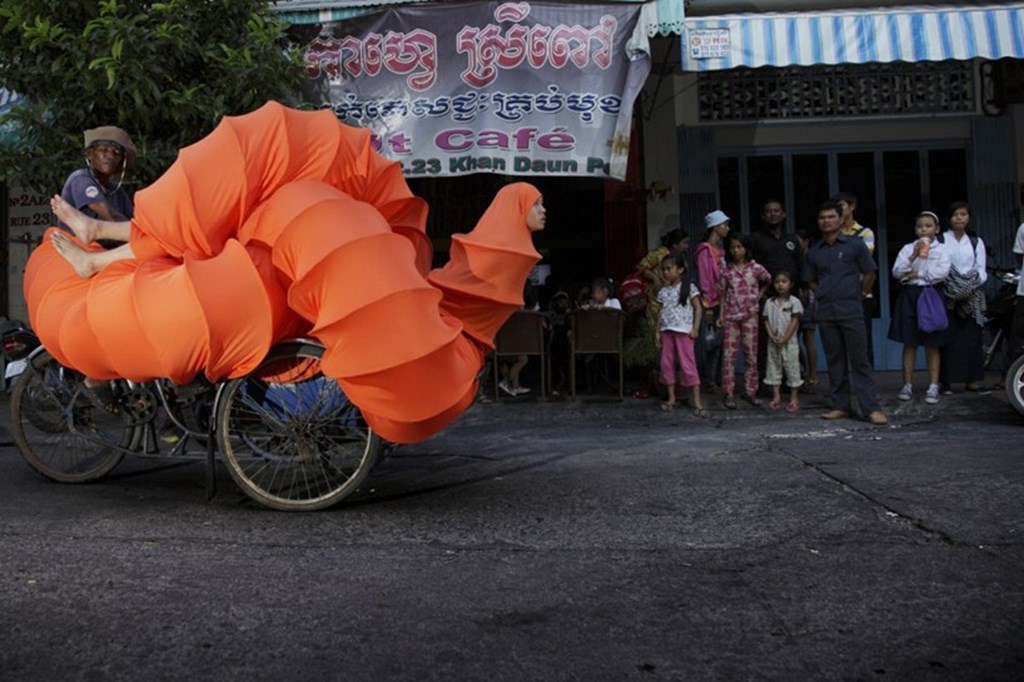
<point>775,248</point>
<point>778,251</point>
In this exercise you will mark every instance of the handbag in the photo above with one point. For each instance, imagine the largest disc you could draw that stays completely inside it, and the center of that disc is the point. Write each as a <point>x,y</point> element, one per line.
<point>712,333</point>
<point>931,311</point>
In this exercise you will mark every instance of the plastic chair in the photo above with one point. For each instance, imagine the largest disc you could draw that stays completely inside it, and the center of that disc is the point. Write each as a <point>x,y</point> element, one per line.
<point>596,332</point>
<point>522,334</point>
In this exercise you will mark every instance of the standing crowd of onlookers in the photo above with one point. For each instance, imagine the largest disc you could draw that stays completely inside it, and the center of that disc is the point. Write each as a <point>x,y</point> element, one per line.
<point>767,294</point>
<point>765,299</point>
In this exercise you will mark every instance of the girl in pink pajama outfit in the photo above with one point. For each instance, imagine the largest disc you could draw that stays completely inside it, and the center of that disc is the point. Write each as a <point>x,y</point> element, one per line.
<point>743,284</point>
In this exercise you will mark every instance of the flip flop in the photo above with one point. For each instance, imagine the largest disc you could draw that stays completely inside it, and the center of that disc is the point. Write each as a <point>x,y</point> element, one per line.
<point>701,413</point>
<point>792,408</point>
<point>730,403</point>
<point>667,407</point>
<point>774,405</point>
<point>753,400</point>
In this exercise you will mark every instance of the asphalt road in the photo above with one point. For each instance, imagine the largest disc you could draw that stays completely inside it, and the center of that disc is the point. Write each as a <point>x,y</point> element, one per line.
<point>548,541</point>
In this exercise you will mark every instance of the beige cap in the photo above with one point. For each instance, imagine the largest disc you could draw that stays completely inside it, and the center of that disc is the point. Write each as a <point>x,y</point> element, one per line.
<point>112,134</point>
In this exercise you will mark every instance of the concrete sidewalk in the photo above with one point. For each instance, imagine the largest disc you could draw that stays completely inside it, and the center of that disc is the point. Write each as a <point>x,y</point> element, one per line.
<point>532,407</point>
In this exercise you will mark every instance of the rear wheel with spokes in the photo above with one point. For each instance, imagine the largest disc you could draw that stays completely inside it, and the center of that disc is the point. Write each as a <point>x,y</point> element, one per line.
<point>291,438</point>
<point>60,433</point>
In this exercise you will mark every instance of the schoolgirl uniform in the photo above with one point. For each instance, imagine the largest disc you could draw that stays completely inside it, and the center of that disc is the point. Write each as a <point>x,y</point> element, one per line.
<point>962,356</point>
<point>923,272</point>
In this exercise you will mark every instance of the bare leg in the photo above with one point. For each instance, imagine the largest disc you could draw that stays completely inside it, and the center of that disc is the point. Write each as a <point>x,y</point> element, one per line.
<point>88,229</point>
<point>515,370</point>
<point>87,263</point>
<point>909,355</point>
<point>695,397</point>
<point>671,402</point>
<point>932,358</point>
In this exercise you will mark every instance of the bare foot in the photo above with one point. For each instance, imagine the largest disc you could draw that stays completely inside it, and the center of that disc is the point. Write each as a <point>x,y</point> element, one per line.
<point>80,260</point>
<point>84,227</point>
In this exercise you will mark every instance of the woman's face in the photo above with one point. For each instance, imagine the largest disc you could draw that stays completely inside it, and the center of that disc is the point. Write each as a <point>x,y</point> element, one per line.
<point>681,247</point>
<point>926,226</point>
<point>959,220</point>
<point>537,216</point>
<point>722,229</point>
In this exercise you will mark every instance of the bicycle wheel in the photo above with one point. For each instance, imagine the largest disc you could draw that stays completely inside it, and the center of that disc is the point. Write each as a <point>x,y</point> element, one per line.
<point>61,434</point>
<point>291,438</point>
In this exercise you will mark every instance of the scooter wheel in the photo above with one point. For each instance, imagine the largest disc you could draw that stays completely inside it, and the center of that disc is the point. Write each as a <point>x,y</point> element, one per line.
<point>1015,384</point>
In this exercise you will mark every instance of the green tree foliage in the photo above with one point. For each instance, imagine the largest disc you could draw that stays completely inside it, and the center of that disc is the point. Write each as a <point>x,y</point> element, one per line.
<point>166,72</point>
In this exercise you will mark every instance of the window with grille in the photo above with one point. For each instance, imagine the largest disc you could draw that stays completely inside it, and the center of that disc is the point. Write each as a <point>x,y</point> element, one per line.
<point>846,90</point>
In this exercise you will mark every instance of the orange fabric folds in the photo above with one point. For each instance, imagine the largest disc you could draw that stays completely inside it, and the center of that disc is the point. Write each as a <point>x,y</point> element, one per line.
<point>284,223</point>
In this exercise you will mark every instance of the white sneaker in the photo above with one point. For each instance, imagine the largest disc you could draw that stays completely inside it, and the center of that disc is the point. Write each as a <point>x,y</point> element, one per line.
<point>503,385</point>
<point>906,393</point>
<point>522,390</point>
<point>932,396</point>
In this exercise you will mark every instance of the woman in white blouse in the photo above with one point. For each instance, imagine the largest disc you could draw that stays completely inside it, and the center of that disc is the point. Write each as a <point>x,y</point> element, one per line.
<point>922,262</point>
<point>962,356</point>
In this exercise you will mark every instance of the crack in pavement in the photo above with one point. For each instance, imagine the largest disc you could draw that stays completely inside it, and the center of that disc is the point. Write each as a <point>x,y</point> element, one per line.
<point>885,511</point>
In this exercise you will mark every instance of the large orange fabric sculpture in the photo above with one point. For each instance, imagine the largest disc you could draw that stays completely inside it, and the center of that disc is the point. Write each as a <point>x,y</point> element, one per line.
<point>283,223</point>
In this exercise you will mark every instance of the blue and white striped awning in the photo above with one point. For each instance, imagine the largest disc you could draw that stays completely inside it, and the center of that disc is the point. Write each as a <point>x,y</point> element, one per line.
<point>910,34</point>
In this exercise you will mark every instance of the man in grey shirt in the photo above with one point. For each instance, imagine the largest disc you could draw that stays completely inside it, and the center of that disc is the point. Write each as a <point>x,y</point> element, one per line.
<point>841,272</point>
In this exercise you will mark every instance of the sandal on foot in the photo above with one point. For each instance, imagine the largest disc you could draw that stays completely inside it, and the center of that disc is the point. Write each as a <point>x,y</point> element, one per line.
<point>701,413</point>
<point>792,408</point>
<point>774,405</point>
<point>753,400</point>
<point>729,402</point>
<point>101,396</point>
<point>668,407</point>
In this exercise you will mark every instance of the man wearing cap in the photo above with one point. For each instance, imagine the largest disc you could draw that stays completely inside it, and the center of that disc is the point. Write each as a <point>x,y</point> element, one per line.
<point>108,153</point>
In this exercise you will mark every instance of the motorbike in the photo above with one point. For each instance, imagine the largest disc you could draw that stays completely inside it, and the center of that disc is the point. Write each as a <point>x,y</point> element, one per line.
<point>1014,382</point>
<point>17,341</point>
<point>998,331</point>
<point>999,314</point>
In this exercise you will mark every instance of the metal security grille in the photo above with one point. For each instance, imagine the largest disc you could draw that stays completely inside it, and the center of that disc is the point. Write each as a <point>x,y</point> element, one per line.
<point>847,90</point>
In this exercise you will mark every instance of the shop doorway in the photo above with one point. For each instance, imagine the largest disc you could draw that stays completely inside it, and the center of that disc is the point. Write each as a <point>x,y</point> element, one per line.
<point>892,184</point>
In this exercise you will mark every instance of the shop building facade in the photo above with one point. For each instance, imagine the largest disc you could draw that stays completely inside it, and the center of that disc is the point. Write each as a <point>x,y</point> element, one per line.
<point>910,108</point>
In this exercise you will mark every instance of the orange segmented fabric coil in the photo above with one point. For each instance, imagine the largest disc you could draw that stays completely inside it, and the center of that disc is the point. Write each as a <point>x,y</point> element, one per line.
<point>283,223</point>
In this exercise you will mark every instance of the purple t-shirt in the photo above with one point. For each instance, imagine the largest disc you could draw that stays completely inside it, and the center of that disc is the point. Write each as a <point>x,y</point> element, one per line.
<point>81,189</point>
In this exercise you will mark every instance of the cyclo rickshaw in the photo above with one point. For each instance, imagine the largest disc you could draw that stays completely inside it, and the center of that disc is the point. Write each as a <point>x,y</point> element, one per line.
<point>287,434</point>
